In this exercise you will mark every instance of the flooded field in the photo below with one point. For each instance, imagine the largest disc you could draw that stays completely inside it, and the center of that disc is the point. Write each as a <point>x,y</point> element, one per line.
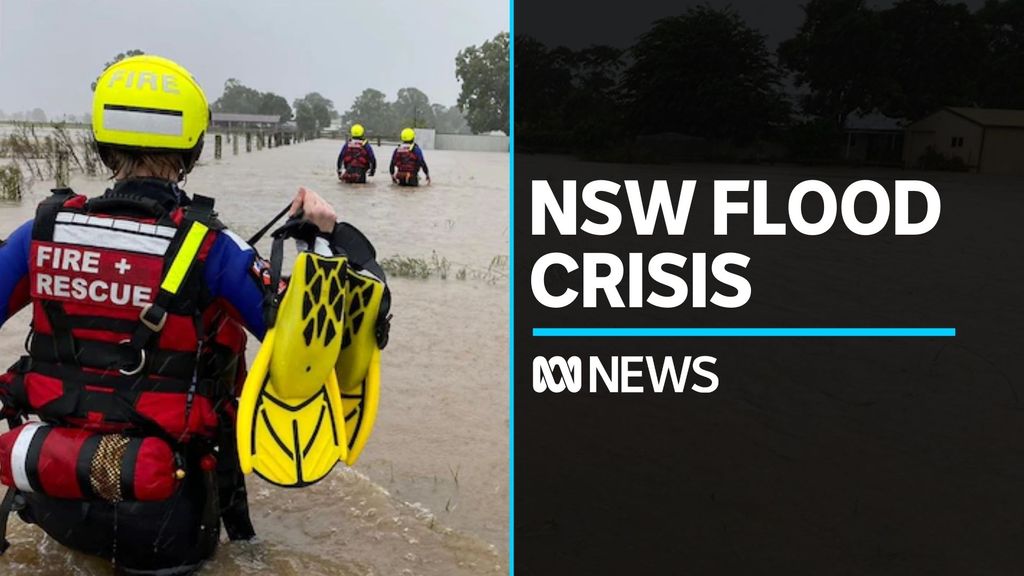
<point>430,493</point>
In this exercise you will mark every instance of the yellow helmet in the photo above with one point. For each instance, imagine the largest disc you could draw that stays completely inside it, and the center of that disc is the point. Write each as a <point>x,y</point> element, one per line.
<point>357,131</point>
<point>150,103</point>
<point>408,135</point>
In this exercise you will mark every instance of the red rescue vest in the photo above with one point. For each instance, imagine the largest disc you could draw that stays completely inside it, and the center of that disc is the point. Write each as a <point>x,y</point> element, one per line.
<point>406,160</point>
<point>123,337</point>
<point>356,155</point>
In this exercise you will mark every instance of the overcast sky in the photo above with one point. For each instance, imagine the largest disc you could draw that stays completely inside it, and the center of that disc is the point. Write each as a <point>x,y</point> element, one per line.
<point>51,50</point>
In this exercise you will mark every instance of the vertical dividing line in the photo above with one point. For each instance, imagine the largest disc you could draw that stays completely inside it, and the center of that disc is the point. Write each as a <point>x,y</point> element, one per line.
<point>512,286</point>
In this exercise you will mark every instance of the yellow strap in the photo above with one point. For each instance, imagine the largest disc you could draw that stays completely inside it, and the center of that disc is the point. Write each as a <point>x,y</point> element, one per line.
<point>183,259</point>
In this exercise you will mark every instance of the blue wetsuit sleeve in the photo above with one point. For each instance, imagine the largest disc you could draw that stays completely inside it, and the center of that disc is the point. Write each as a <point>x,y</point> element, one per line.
<point>423,161</point>
<point>14,255</point>
<point>341,155</point>
<point>394,155</point>
<point>233,273</point>
<point>373,158</point>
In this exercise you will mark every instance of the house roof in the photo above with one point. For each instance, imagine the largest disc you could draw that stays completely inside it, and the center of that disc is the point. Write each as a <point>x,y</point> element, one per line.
<point>874,122</point>
<point>246,118</point>
<point>991,117</point>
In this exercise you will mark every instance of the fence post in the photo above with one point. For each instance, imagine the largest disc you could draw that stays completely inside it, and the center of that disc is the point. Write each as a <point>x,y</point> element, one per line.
<point>248,142</point>
<point>62,176</point>
<point>234,143</point>
<point>217,147</point>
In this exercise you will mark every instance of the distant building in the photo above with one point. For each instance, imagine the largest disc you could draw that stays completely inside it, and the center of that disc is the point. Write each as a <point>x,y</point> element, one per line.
<point>985,140</point>
<point>243,121</point>
<point>873,139</point>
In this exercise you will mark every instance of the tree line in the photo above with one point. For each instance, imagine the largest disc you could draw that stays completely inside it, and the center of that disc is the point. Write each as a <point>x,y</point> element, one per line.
<point>707,74</point>
<point>410,109</point>
<point>482,105</point>
<point>312,113</point>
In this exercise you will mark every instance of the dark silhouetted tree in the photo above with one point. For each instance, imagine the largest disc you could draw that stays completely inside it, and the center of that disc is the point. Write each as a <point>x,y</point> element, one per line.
<point>838,56</point>
<point>544,78</point>
<point>933,57</point>
<point>705,73</point>
<point>1002,78</point>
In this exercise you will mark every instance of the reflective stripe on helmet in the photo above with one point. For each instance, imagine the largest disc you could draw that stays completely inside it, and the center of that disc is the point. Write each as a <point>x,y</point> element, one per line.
<point>142,120</point>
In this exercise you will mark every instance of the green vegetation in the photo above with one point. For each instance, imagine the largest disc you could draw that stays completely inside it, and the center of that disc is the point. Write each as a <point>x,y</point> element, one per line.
<point>11,182</point>
<point>440,267</point>
<point>313,113</point>
<point>412,108</point>
<point>241,99</point>
<point>483,72</point>
<point>50,151</point>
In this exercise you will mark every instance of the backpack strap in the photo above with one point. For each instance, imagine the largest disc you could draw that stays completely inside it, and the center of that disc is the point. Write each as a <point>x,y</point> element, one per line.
<point>5,512</point>
<point>232,495</point>
<point>42,229</point>
<point>46,213</point>
<point>7,506</point>
<point>199,223</point>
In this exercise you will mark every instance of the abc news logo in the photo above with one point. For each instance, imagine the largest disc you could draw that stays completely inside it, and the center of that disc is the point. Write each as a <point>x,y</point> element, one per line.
<point>624,374</point>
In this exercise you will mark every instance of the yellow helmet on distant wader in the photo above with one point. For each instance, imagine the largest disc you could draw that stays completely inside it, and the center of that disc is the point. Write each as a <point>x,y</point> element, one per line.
<point>357,131</point>
<point>408,135</point>
<point>149,104</point>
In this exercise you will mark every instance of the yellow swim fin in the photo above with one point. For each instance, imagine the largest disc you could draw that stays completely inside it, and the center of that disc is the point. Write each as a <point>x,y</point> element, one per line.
<point>291,421</point>
<point>359,360</point>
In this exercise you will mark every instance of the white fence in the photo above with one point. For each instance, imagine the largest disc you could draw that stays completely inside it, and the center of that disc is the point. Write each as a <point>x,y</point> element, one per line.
<point>425,138</point>
<point>473,143</point>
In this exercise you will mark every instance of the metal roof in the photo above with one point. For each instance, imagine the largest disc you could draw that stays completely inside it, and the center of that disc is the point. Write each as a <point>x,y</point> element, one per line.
<point>874,122</point>
<point>246,118</point>
<point>991,117</point>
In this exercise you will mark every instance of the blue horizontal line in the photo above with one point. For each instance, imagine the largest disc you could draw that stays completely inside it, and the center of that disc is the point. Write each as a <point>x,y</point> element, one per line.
<point>750,332</point>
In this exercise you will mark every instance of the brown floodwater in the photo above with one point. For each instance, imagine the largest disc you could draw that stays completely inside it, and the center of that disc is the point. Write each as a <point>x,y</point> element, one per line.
<point>430,494</point>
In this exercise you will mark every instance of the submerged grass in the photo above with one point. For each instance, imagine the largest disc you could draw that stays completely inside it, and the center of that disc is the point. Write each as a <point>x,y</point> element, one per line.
<point>50,151</point>
<point>440,267</point>
<point>11,182</point>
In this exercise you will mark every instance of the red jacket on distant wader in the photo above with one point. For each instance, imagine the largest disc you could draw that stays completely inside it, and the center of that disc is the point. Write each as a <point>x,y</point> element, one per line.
<point>406,164</point>
<point>356,160</point>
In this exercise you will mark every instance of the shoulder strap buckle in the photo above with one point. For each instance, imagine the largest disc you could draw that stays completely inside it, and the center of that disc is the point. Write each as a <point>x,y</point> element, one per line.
<point>153,317</point>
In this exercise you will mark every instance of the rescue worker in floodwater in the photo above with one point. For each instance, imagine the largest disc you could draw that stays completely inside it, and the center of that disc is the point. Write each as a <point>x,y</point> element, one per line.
<point>407,160</point>
<point>356,160</point>
<point>136,352</point>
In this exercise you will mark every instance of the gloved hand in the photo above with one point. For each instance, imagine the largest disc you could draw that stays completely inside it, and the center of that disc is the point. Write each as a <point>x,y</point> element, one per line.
<point>372,172</point>
<point>340,172</point>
